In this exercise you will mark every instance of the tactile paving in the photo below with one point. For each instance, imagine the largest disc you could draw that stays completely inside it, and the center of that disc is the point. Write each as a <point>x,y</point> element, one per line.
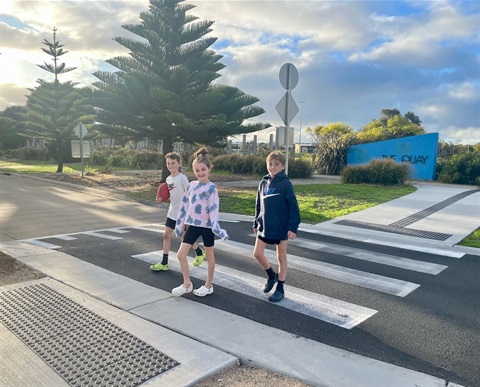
<point>81,346</point>
<point>396,230</point>
<point>430,210</point>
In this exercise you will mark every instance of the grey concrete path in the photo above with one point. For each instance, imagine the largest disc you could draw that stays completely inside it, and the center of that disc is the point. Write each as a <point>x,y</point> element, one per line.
<point>204,340</point>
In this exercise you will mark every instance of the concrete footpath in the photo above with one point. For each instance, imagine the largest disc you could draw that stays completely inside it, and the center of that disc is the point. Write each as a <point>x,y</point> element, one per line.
<point>198,341</point>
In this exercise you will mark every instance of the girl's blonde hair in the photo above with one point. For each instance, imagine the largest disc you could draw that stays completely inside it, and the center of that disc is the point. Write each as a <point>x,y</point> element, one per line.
<point>200,156</point>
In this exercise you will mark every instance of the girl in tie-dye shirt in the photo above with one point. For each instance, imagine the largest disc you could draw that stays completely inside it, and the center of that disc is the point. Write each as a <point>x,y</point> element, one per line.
<point>199,214</point>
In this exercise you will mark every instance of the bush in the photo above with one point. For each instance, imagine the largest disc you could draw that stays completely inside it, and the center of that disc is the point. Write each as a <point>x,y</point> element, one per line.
<point>256,165</point>
<point>145,159</point>
<point>100,156</point>
<point>118,159</point>
<point>122,157</point>
<point>384,172</point>
<point>27,153</point>
<point>460,169</point>
<point>300,168</point>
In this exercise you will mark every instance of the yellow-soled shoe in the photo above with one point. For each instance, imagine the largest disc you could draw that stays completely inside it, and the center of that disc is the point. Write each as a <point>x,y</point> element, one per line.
<point>199,259</point>
<point>159,267</point>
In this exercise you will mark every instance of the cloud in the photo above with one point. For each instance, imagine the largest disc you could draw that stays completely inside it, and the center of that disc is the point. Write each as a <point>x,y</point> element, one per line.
<point>354,58</point>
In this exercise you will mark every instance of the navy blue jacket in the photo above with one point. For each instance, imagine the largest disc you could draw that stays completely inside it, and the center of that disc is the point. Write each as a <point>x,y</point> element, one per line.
<point>276,208</point>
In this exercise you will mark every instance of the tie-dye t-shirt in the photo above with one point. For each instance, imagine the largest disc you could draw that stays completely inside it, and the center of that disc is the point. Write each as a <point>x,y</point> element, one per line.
<point>200,207</point>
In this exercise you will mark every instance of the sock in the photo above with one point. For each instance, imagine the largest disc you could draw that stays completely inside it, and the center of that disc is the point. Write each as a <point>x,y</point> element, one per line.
<point>271,273</point>
<point>280,286</point>
<point>165,259</point>
<point>198,251</point>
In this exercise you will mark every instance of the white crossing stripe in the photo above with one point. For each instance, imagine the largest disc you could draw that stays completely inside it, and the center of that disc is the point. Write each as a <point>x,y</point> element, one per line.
<point>338,273</point>
<point>38,242</point>
<point>64,237</point>
<point>145,228</point>
<point>384,259</point>
<point>405,246</point>
<point>116,230</point>
<point>328,309</point>
<point>428,250</point>
<point>99,235</point>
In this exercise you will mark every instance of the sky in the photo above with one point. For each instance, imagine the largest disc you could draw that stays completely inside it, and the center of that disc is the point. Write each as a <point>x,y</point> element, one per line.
<point>353,58</point>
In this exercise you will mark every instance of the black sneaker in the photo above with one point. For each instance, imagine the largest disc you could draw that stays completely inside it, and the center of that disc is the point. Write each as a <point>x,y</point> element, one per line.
<point>269,284</point>
<point>277,296</point>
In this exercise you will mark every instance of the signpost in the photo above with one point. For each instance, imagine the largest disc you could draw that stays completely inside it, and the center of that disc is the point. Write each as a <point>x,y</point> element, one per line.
<point>286,107</point>
<point>79,130</point>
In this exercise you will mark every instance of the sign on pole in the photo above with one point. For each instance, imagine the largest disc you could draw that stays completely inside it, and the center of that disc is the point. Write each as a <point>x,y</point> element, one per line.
<point>286,107</point>
<point>282,108</point>
<point>80,130</point>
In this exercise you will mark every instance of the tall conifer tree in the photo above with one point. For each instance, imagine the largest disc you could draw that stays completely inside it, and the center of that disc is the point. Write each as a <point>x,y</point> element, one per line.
<point>164,90</point>
<point>55,108</point>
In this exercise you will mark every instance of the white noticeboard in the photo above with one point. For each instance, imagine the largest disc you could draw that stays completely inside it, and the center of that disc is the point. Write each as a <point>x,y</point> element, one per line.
<point>76,148</point>
<point>281,135</point>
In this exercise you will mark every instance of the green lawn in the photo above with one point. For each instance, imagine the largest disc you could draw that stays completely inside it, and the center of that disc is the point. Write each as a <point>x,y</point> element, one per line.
<point>318,202</point>
<point>34,166</point>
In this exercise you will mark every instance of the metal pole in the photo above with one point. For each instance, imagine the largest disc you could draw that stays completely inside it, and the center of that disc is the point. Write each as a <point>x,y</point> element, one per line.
<point>287,118</point>
<point>81,147</point>
<point>301,115</point>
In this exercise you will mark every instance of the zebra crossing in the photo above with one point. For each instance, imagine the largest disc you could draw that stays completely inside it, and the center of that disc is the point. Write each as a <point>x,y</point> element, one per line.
<point>328,309</point>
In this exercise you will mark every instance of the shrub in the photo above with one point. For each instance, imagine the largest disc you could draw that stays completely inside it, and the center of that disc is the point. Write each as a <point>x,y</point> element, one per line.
<point>117,160</point>
<point>256,165</point>
<point>90,171</point>
<point>384,172</point>
<point>460,169</point>
<point>226,162</point>
<point>100,156</point>
<point>145,159</point>
<point>300,168</point>
<point>27,153</point>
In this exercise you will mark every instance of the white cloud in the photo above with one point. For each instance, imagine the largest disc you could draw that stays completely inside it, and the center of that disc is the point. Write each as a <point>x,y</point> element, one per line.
<point>354,57</point>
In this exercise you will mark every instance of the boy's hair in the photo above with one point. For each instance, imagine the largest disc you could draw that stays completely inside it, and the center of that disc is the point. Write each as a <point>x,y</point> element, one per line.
<point>200,156</point>
<point>175,156</point>
<point>277,155</point>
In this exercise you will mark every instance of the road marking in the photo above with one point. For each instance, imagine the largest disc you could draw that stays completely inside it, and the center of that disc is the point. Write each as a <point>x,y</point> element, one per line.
<point>338,273</point>
<point>146,228</point>
<point>99,235</point>
<point>117,230</point>
<point>384,259</point>
<point>64,237</point>
<point>38,242</point>
<point>428,250</point>
<point>404,246</point>
<point>328,309</point>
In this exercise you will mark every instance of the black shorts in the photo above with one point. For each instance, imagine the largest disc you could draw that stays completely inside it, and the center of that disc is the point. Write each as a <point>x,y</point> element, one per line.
<point>269,241</point>
<point>194,232</point>
<point>170,223</point>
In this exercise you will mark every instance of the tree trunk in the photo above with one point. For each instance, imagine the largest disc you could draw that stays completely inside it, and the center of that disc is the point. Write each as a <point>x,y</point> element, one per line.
<point>60,155</point>
<point>167,147</point>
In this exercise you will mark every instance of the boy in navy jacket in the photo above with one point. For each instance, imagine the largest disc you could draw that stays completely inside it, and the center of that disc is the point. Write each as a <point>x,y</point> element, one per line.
<point>277,217</point>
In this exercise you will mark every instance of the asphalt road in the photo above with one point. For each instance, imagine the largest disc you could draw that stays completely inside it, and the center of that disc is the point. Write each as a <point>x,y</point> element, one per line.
<point>408,308</point>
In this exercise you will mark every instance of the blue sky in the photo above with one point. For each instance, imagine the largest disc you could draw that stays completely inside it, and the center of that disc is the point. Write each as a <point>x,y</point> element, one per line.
<point>354,58</point>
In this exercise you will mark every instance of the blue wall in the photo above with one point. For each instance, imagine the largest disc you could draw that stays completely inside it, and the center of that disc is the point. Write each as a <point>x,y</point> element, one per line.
<point>419,151</point>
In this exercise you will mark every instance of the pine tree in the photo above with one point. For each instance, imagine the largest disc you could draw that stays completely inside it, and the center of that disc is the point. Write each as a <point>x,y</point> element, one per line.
<point>55,108</point>
<point>164,90</point>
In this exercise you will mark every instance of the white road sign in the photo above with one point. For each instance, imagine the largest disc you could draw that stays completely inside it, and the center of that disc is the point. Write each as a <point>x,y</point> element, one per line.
<point>282,108</point>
